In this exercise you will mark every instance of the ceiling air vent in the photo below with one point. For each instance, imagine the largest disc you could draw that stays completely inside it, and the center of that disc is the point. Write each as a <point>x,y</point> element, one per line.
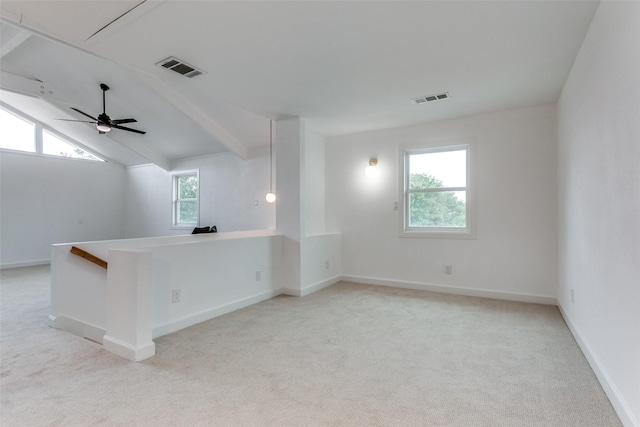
<point>180,67</point>
<point>432,98</point>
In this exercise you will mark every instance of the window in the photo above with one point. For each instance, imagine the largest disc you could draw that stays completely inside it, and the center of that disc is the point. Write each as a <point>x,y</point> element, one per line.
<point>16,133</point>
<point>185,199</point>
<point>56,146</point>
<point>19,133</point>
<point>437,192</point>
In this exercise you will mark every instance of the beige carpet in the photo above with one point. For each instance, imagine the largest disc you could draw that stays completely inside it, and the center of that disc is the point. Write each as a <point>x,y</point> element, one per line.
<point>349,355</point>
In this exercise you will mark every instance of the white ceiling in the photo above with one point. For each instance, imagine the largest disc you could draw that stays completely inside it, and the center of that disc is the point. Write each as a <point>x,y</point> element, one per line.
<point>344,66</point>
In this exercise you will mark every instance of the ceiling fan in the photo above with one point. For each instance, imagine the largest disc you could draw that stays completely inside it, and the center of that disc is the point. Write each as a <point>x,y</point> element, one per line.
<point>104,123</point>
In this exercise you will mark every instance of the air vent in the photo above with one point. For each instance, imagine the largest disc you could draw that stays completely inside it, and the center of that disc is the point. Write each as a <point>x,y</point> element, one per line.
<point>180,67</point>
<point>432,98</point>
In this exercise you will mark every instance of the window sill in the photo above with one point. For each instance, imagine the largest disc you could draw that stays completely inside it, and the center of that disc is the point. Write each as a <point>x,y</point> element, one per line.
<point>439,234</point>
<point>183,226</point>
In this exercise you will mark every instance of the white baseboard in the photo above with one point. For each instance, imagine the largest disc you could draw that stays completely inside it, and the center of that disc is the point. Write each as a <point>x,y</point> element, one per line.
<point>482,293</point>
<point>97,334</point>
<point>126,350</point>
<point>203,316</point>
<point>25,263</point>
<point>617,400</point>
<point>77,327</point>
<point>311,288</point>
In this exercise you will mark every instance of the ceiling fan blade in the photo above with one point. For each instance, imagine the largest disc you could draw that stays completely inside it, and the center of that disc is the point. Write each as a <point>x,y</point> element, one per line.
<point>103,121</point>
<point>84,114</point>
<point>72,120</point>
<point>129,129</point>
<point>120,121</point>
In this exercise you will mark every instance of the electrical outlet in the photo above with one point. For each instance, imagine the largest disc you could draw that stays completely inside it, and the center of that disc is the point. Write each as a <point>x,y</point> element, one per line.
<point>258,275</point>
<point>395,206</point>
<point>326,264</point>
<point>175,296</point>
<point>448,269</point>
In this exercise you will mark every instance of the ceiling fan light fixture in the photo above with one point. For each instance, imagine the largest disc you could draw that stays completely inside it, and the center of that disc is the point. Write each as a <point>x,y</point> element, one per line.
<point>102,127</point>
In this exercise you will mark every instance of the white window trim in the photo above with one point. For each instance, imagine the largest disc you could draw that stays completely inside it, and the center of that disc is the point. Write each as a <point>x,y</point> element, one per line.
<point>468,232</point>
<point>40,144</point>
<point>39,128</point>
<point>174,199</point>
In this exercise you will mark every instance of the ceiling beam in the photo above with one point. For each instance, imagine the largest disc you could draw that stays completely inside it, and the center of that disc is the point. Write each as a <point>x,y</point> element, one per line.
<point>139,147</point>
<point>213,128</point>
<point>13,42</point>
<point>39,89</point>
<point>31,87</point>
<point>210,126</point>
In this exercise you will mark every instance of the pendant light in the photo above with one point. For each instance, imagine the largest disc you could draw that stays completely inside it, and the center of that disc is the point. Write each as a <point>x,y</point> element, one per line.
<point>271,196</point>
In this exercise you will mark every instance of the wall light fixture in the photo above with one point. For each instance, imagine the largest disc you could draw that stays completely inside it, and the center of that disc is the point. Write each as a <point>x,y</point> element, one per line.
<point>371,170</point>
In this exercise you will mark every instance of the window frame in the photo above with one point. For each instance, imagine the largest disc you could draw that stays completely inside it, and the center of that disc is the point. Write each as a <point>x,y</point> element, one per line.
<point>405,151</point>
<point>39,129</point>
<point>175,200</point>
<point>68,141</point>
<point>36,130</point>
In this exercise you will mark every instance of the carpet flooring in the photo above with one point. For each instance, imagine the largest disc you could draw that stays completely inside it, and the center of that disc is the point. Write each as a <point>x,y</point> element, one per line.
<point>348,355</point>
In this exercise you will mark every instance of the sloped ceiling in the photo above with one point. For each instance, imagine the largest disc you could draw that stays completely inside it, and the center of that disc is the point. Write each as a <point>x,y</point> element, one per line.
<point>345,67</point>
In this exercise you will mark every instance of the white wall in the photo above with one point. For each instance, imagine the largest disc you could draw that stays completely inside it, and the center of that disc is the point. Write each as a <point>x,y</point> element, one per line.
<point>148,202</point>
<point>321,259</point>
<point>216,273</point>
<point>289,148</point>
<point>49,200</point>
<point>229,190</point>
<point>311,259</point>
<point>599,202</point>
<point>314,185</point>
<point>514,255</point>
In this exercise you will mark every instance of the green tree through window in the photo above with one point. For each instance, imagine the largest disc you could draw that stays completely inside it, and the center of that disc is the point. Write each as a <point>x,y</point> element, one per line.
<point>185,199</point>
<point>435,209</point>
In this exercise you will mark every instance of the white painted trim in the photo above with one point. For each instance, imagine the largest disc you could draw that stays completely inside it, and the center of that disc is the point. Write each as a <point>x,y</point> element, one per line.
<point>76,327</point>
<point>126,350</point>
<point>203,316</point>
<point>455,290</point>
<point>404,150</point>
<point>144,165</point>
<point>204,156</point>
<point>615,397</point>
<point>175,175</point>
<point>307,290</point>
<point>209,314</point>
<point>25,263</point>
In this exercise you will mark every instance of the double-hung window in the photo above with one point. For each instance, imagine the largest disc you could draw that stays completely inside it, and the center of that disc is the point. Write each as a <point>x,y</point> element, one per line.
<point>185,199</point>
<point>437,191</point>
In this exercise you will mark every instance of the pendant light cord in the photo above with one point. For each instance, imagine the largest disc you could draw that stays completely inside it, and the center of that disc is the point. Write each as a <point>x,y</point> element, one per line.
<point>270,154</point>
